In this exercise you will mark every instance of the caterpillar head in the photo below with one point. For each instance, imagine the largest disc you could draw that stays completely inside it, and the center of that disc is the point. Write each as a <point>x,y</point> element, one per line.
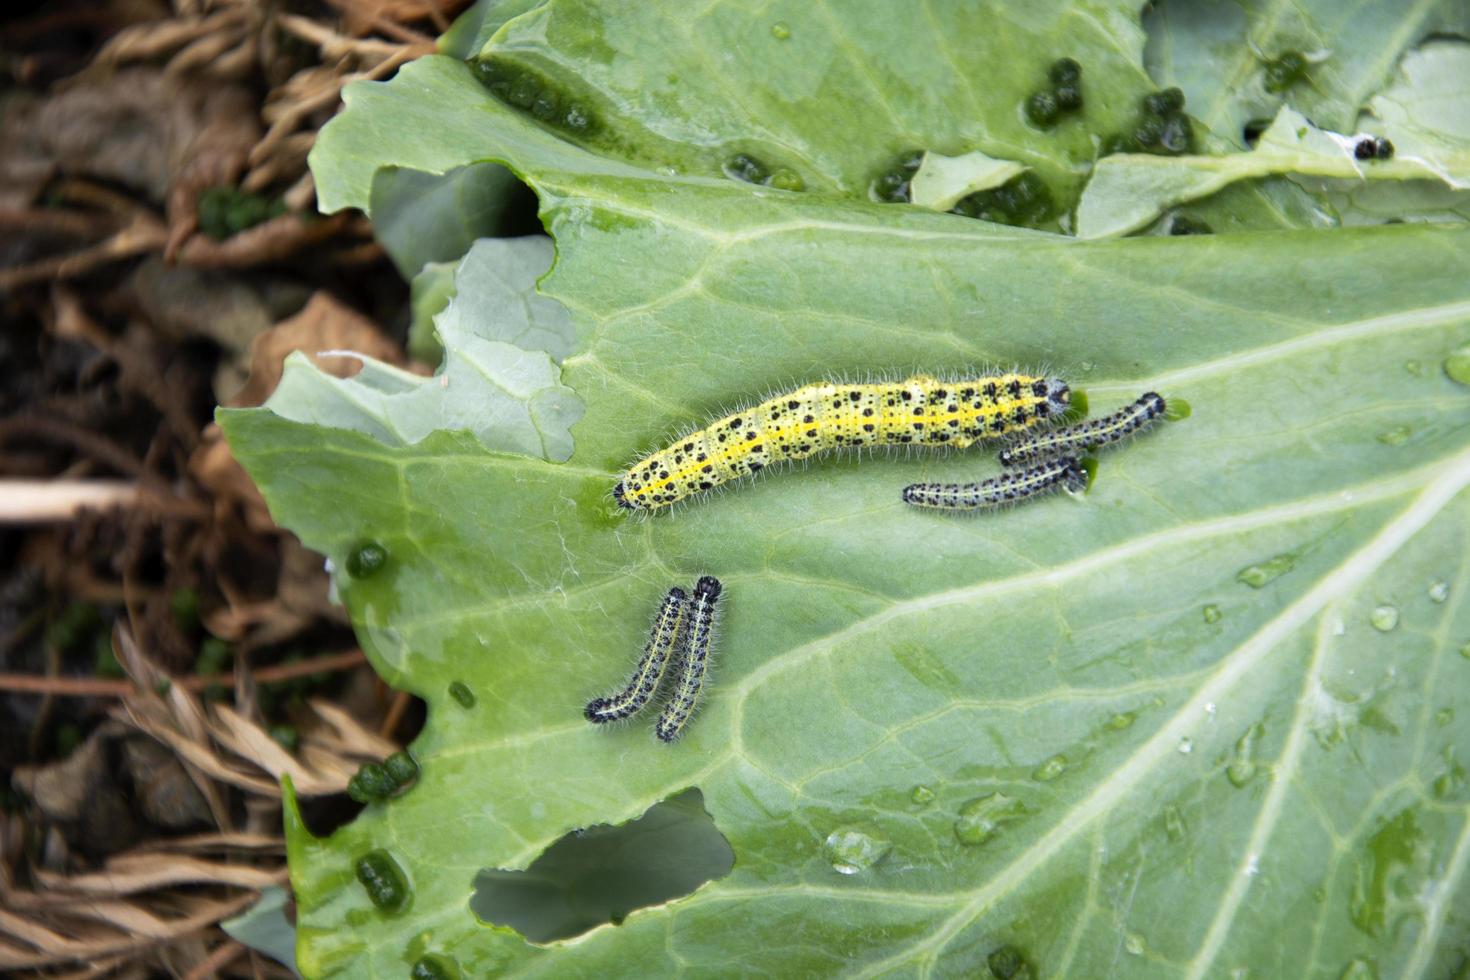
<point>620,495</point>
<point>1058,395</point>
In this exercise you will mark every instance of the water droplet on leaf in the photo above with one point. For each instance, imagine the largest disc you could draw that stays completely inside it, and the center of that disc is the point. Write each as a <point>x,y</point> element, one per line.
<point>1396,436</point>
<point>1242,765</point>
<point>1457,365</point>
<point>981,818</point>
<point>433,967</point>
<point>780,31</point>
<point>922,795</point>
<point>1384,618</point>
<point>1259,576</point>
<point>1009,963</point>
<point>786,179</point>
<point>1439,591</point>
<point>366,559</point>
<point>1050,769</point>
<point>851,851</point>
<point>1212,613</point>
<point>1380,878</point>
<point>1174,823</point>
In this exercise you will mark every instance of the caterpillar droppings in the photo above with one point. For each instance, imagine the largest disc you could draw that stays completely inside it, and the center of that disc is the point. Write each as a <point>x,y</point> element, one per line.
<point>641,686</point>
<point>1008,488</point>
<point>1087,436</point>
<point>693,661</point>
<point>921,411</point>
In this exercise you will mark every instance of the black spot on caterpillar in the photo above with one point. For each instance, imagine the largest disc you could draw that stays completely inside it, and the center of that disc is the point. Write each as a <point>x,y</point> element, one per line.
<point>921,411</point>
<point>693,663</point>
<point>1008,488</point>
<point>1087,435</point>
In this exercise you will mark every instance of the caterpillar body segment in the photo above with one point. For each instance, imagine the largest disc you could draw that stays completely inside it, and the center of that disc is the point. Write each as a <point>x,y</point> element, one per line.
<point>1086,436</point>
<point>920,411</point>
<point>1008,488</point>
<point>693,665</point>
<point>663,640</point>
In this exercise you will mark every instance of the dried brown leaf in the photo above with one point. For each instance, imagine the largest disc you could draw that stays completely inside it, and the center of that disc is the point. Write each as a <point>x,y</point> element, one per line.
<point>214,466</point>
<point>325,324</point>
<point>346,737</point>
<point>129,874</point>
<point>268,242</point>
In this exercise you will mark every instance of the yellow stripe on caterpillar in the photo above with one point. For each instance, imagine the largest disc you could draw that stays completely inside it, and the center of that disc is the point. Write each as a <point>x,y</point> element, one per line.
<point>921,411</point>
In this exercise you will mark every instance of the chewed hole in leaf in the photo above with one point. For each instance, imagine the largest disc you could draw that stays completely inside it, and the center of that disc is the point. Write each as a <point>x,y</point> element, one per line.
<point>600,874</point>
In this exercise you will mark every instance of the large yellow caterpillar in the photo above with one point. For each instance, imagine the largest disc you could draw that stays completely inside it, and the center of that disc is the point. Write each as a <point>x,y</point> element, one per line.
<point>921,411</point>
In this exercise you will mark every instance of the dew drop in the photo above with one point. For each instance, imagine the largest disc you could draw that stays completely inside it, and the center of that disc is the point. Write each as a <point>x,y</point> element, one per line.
<point>1122,720</point>
<point>1242,767</point>
<point>1186,746</point>
<point>743,166</point>
<point>1009,963</point>
<point>922,795</point>
<point>433,967</point>
<point>1383,869</point>
<point>461,692</point>
<point>851,851</point>
<point>1174,823</point>
<point>1457,365</point>
<point>780,31</point>
<point>1449,782</point>
<point>1212,613</point>
<point>1050,769</point>
<point>1396,436</point>
<point>384,880</point>
<point>1133,943</point>
<point>1259,576</point>
<point>1439,591</point>
<point>1384,618</point>
<point>786,179</point>
<point>366,559</point>
<point>1284,71</point>
<point>981,818</point>
<point>1414,368</point>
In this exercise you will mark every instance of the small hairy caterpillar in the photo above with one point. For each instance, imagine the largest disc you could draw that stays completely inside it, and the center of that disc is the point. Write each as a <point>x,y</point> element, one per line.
<point>693,661</point>
<point>668,626</point>
<point>1087,435</point>
<point>921,411</point>
<point>1007,488</point>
